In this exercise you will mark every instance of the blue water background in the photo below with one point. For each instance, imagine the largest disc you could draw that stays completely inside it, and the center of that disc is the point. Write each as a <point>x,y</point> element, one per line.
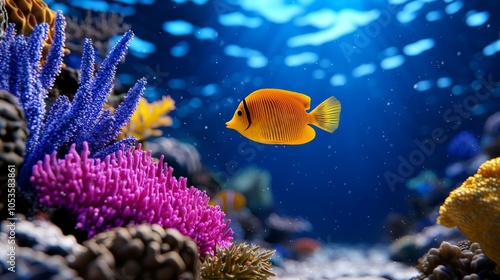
<point>338,182</point>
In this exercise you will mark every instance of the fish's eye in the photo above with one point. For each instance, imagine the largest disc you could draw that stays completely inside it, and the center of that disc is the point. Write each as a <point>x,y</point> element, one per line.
<point>240,113</point>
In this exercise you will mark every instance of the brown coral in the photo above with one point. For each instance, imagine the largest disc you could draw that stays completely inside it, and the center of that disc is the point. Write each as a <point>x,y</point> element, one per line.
<point>474,208</point>
<point>462,261</point>
<point>13,134</point>
<point>139,252</point>
<point>100,29</point>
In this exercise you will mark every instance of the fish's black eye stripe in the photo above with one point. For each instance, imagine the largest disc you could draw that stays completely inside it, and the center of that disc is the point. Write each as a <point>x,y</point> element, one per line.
<point>247,112</point>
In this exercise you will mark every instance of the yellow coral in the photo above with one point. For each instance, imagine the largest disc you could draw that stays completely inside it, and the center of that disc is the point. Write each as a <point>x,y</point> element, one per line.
<point>148,117</point>
<point>26,14</point>
<point>474,208</point>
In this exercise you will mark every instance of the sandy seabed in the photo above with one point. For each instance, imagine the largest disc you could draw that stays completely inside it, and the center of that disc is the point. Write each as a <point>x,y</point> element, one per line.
<point>345,262</point>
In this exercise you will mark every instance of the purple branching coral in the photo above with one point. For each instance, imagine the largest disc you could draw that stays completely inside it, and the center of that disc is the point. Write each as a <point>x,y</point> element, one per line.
<point>128,188</point>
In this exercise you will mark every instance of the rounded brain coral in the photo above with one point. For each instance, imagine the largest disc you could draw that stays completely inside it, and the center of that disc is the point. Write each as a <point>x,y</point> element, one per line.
<point>474,208</point>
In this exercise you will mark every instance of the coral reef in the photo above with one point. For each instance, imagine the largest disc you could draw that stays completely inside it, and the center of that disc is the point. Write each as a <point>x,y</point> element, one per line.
<point>255,184</point>
<point>454,262</point>
<point>148,117</point>
<point>139,252</point>
<point>42,236</point>
<point>474,208</point>
<point>30,264</point>
<point>26,14</point>
<point>67,122</point>
<point>409,248</point>
<point>186,161</point>
<point>66,84</point>
<point>98,28</point>
<point>240,261</point>
<point>3,19</point>
<point>129,187</point>
<point>13,135</point>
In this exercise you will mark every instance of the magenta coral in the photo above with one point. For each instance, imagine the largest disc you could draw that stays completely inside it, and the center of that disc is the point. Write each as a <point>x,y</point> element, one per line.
<point>129,188</point>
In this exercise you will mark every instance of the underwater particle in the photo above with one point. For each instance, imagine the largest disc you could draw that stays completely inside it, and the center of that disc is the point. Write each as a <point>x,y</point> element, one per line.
<point>475,18</point>
<point>205,33</point>
<point>180,49</point>
<point>492,48</point>
<point>434,16</point>
<point>300,59</point>
<point>178,27</point>
<point>338,80</point>
<point>392,62</point>
<point>138,252</point>
<point>453,7</point>
<point>419,47</point>
<point>475,209</point>
<point>363,70</point>
<point>444,82</point>
<point>239,19</point>
<point>255,117</point>
<point>423,85</point>
<point>239,261</point>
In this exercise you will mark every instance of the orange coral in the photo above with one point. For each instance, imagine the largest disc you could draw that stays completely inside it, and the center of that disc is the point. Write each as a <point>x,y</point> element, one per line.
<point>474,208</point>
<point>148,117</point>
<point>26,14</point>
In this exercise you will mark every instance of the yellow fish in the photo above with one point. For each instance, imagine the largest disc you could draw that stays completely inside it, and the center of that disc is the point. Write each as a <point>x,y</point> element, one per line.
<point>229,201</point>
<point>277,116</point>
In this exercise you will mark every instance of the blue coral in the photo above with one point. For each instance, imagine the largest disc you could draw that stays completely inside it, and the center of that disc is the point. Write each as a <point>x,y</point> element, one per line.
<point>67,122</point>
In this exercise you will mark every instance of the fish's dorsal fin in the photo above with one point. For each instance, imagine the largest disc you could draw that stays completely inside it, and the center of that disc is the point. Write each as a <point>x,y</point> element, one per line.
<point>302,98</point>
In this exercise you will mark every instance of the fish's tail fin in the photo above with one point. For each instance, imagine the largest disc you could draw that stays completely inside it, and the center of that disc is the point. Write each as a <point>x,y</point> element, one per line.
<point>327,114</point>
